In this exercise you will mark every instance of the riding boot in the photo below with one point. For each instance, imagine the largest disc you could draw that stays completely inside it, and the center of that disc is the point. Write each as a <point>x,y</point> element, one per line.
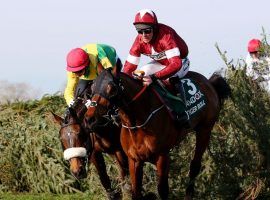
<point>182,118</point>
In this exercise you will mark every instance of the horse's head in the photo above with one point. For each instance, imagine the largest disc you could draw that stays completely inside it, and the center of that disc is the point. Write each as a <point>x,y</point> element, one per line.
<point>110,91</point>
<point>75,142</point>
<point>105,93</point>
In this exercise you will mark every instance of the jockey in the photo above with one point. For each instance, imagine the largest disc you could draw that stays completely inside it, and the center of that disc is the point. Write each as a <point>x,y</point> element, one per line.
<point>167,49</point>
<point>83,66</point>
<point>258,64</point>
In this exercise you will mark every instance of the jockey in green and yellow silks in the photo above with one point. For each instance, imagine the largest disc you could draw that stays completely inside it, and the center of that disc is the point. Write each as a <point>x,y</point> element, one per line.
<point>83,66</point>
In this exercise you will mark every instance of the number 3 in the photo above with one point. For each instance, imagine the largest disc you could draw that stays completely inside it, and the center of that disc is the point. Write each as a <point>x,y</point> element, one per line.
<point>192,89</point>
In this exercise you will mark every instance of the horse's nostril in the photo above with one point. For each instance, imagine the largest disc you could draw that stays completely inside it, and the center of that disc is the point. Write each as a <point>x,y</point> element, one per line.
<point>80,172</point>
<point>76,174</point>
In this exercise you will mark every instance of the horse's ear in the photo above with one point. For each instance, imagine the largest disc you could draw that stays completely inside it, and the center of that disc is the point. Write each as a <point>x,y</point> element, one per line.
<point>57,119</point>
<point>93,87</point>
<point>109,69</point>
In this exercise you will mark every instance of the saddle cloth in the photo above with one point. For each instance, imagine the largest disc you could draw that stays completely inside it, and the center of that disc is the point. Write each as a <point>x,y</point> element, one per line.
<point>194,102</point>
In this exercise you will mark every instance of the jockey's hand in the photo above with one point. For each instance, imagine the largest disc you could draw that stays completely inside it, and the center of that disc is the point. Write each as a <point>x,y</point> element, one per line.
<point>147,80</point>
<point>71,103</point>
<point>88,103</point>
<point>138,74</point>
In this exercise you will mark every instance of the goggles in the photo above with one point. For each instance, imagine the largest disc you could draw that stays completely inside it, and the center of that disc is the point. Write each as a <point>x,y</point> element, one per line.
<point>145,31</point>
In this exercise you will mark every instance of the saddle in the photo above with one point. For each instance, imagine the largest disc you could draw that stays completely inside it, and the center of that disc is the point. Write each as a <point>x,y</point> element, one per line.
<point>173,103</point>
<point>194,99</point>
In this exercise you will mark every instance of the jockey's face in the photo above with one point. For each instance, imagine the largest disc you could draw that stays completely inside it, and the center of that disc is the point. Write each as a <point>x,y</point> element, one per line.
<point>80,73</point>
<point>254,55</point>
<point>147,34</point>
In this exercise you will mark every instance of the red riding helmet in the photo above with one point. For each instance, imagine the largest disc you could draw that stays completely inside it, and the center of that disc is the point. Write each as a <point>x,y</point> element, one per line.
<point>145,16</point>
<point>77,60</point>
<point>254,45</point>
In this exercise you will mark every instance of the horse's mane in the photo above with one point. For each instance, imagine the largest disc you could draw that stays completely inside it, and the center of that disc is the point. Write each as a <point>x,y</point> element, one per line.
<point>128,78</point>
<point>70,116</point>
<point>75,112</point>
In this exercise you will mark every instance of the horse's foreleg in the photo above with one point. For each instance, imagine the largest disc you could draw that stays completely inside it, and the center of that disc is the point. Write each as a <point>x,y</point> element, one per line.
<point>136,175</point>
<point>122,162</point>
<point>98,160</point>
<point>162,171</point>
<point>202,141</point>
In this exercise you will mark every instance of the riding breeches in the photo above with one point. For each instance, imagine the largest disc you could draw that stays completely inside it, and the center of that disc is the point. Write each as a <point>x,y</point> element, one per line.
<point>154,66</point>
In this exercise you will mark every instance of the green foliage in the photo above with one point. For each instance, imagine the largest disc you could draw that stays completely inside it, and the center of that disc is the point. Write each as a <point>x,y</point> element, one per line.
<point>31,157</point>
<point>236,165</point>
<point>28,196</point>
<point>241,140</point>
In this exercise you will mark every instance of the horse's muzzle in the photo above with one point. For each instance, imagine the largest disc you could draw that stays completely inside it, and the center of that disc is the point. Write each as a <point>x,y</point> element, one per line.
<point>78,167</point>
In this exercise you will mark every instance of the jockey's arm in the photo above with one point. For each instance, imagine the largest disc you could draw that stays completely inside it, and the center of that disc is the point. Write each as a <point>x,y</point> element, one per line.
<point>175,64</point>
<point>72,82</point>
<point>133,58</point>
<point>172,52</point>
<point>129,67</point>
<point>104,58</point>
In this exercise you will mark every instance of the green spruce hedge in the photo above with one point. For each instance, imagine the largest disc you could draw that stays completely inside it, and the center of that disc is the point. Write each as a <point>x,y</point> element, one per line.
<point>236,165</point>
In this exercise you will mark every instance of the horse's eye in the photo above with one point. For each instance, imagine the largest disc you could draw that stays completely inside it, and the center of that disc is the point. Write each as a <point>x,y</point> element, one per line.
<point>111,90</point>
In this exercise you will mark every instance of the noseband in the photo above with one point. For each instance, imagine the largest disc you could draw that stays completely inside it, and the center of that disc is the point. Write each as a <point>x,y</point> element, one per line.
<point>77,152</point>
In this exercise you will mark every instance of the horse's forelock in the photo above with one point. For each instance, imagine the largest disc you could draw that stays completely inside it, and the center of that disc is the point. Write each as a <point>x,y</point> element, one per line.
<point>70,116</point>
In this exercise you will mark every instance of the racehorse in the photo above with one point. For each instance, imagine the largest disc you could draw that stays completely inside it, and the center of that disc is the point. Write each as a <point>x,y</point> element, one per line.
<point>148,132</point>
<point>79,145</point>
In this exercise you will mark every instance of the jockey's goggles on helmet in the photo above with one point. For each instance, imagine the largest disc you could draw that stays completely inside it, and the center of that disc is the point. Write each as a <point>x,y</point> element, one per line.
<point>145,31</point>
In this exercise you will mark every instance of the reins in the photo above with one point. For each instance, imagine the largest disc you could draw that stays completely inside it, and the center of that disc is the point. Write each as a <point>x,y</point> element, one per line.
<point>126,104</point>
<point>146,121</point>
<point>149,116</point>
<point>139,93</point>
<point>112,118</point>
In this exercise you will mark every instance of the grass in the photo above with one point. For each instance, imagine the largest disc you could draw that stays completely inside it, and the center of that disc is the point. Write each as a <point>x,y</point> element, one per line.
<point>45,196</point>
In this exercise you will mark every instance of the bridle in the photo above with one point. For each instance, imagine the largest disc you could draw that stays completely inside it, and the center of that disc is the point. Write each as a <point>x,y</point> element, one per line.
<point>136,96</point>
<point>81,152</point>
<point>112,114</point>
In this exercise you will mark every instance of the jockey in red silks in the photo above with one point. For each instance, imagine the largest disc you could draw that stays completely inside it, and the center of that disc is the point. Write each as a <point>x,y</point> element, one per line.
<point>258,63</point>
<point>167,49</point>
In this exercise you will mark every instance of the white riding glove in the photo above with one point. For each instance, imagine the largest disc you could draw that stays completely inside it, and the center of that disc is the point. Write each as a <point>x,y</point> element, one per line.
<point>71,103</point>
<point>88,103</point>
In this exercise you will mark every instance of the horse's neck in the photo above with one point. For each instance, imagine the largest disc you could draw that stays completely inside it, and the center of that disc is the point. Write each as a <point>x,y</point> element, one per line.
<point>130,87</point>
<point>143,105</point>
<point>131,90</point>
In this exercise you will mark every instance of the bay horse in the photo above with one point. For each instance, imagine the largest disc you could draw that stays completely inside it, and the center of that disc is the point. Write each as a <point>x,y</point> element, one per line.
<point>148,132</point>
<point>81,145</point>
